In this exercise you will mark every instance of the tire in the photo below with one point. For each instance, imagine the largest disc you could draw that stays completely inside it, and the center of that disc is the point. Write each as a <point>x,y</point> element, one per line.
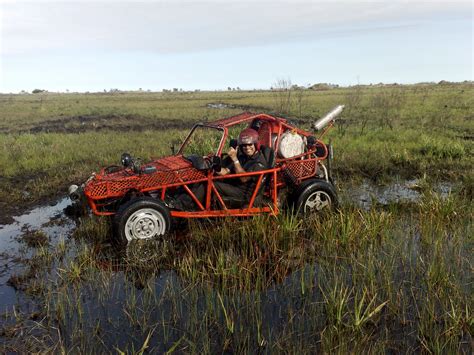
<point>140,219</point>
<point>314,196</point>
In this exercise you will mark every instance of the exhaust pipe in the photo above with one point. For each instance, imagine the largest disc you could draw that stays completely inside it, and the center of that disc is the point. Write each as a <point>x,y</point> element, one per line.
<point>331,116</point>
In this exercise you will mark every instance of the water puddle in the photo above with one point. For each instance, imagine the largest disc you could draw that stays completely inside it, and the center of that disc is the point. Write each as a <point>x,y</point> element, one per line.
<point>219,105</point>
<point>51,221</point>
<point>52,224</point>
<point>367,194</point>
<point>40,217</point>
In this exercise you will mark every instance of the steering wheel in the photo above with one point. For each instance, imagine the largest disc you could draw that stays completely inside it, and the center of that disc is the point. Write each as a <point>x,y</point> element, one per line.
<point>214,162</point>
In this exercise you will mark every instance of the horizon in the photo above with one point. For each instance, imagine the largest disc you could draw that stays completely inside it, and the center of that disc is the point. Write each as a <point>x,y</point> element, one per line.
<point>181,90</point>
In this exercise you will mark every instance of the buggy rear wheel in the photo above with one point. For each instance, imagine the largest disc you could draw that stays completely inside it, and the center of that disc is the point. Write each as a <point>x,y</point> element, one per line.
<point>141,218</point>
<point>315,196</point>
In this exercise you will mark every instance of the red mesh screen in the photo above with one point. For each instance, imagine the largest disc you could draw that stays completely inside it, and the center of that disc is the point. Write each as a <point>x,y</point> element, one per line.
<point>301,169</point>
<point>172,163</point>
<point>117,187</point>
<point>97,189</point>
<point>160,179</point>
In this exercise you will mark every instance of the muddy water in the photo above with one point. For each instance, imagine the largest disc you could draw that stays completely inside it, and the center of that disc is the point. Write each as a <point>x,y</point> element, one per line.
<point>219,105</point>
<point>13,253</point>
<point>363,195</point>
<point>367,194</point>
<point>275,305</point>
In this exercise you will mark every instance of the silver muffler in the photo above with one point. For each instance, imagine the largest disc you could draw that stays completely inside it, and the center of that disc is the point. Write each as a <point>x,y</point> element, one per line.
<point>331,116</point>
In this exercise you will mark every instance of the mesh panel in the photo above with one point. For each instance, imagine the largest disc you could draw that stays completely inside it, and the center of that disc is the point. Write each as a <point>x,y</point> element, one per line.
<point>169,177</point>
<point>103,189</point>
<point>172,163</point>
<point>97,189</point>
<point>120,186</point>
<point>301,169</point>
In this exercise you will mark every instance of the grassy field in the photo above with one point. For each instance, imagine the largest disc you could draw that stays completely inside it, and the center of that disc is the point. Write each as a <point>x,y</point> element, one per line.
<point>389,278</point>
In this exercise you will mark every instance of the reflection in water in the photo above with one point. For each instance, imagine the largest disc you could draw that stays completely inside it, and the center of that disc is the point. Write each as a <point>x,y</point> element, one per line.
<point>145,259</point>
<point>140,261</point>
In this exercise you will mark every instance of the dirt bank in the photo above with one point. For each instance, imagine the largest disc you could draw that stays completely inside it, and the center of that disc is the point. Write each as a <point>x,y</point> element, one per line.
<point>78,124</point>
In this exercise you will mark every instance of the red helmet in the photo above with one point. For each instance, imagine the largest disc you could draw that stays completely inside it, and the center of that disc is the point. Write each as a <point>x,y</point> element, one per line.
<point>248,136</point>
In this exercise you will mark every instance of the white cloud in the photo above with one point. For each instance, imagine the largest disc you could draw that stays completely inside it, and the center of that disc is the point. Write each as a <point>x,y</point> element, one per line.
<point>189,26</point>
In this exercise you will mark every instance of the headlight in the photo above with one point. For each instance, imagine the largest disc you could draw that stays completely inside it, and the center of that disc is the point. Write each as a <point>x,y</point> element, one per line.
<point>127,160</point>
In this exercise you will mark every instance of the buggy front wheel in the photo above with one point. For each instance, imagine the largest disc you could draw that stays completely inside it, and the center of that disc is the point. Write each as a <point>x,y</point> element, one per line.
<point>140,219</point>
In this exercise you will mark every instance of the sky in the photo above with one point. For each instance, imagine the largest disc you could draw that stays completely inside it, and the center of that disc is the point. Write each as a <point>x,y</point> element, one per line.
<point>212,45</point>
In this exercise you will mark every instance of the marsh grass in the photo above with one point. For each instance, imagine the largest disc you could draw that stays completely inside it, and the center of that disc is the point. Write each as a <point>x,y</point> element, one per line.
<point>353,280</point>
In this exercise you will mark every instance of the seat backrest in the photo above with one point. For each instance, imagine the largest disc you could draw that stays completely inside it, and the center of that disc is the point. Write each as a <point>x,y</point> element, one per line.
<point>269,155</point>
<point>265,134</point>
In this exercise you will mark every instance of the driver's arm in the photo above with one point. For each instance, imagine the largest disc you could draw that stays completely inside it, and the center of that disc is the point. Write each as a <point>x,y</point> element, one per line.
<point>232,153</point>
<point>223,171</point>
<point>238,168</point>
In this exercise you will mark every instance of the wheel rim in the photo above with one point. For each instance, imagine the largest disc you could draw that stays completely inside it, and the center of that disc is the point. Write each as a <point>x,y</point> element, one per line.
<point>317,201</point>
<point>145,223</point>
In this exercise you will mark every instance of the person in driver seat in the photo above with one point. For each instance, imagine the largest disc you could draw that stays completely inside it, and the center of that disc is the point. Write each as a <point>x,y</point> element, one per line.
<point>246,158</point>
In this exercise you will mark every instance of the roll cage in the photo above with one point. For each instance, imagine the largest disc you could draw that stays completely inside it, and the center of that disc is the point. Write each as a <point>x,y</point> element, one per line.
<point>269,181</point>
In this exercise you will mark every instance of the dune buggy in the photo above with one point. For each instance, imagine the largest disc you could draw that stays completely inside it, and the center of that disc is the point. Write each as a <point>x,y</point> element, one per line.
<point>298,174</point>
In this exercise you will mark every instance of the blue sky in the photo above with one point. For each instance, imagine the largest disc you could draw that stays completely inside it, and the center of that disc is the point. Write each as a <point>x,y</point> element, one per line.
<point>97,45</point>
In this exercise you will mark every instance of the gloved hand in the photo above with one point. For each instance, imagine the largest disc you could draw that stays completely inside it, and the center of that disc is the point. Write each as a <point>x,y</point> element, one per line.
<point>216,163</point>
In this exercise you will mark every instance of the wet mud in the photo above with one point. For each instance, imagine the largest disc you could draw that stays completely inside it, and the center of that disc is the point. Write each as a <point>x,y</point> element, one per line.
<point>123,123</point>
<point>118,123</point>
<point>85,123</point>
<point>28,202</point>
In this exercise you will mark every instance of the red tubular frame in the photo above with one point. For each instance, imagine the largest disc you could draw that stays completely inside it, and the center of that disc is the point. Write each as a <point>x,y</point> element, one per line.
<point>207,211</point>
